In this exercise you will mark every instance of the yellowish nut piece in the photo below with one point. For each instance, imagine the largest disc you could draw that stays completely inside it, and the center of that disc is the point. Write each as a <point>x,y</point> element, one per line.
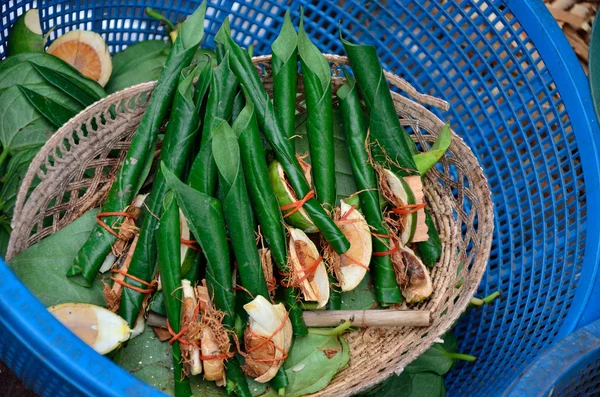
<point>312,280</point>
<point>266,320</point>
<point>412,275</point>
<point>100,328</point>
<point>354,262</point>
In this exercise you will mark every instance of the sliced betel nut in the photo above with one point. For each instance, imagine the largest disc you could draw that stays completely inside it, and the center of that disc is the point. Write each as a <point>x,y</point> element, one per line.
<point>286,196</point>
<point>354,263</point>
<point>270,323</point>
<point>399,194</point>
<point>86,51</point>
<point>100,328</point>
<point>308,272</point>
<point>412,275</point>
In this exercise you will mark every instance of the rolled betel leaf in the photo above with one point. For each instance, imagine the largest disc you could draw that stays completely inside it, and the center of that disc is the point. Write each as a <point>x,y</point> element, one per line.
<point>219,105</point>
<point>394,149</point>
<point>169,265</point>
<point>177,145</point>
<point>205,218</point>
<point>137,162</point>
<point>355,128</point>
<point>319,125</point>
<point>285,74</point>
<point>265,204</point>
<point>237,209</point>
<point>271,124</point>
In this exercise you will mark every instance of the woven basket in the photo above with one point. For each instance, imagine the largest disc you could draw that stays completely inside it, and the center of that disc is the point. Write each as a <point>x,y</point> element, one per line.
<point>74,170</point>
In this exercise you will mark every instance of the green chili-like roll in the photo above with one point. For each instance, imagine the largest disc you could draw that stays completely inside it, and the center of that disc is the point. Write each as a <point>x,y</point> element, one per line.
<point>384,276</point>
<point>386,130</point>
<point>285,74</point>
<point>237,209</point>
<point>177,145</point>
<point>270,122</point>
<point>167,238</point>
<point>319,122</point>
<point>138,160</point>
<point>219,105</point>
<point>265,204</point>
<point>206,221</point>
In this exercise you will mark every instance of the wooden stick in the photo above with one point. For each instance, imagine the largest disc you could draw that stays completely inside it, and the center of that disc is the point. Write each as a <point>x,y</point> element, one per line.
<point>368,318</point>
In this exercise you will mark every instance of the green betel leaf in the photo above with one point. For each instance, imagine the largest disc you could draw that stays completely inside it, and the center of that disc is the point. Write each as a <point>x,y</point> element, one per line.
<point>15,172</point>
<point>192,29</point>
<point>426,160</point>
<point>21,125</point>
<point>71,87</point>
<point>226,152</point>
<point>345,185</point>
<point>433,360</point>
<point>138,63</point>
<point>53,111</point>
<point>360,298</point>
<point>237,209</point>
<point>383,123</point>
<point>314,65</point>
<point>394,386</point>
<point>285,74</point>
<point>20,70</point>
<point>284,46</point>
<point>271,125</point>
<point>150,360</point>
<point>309,368</point>
<point>42,266</point>
<point>317,91</point>
<point>205,219</point>
<point>427,384</point>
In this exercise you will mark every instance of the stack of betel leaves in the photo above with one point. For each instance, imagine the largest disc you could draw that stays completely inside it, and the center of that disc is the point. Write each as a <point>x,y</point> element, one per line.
<point>258,217</point>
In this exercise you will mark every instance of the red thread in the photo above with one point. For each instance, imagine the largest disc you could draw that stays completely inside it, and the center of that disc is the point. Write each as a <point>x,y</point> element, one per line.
<point>308,271</point>
<point>348,212</point>
<point>101,215</point>
<point>395,248</point>
<point>296,205</point>
<point>356,262</point>
<point>150,286</point>
<point>191,244</point>
<point>408,209</point>
<point>395,245</point>
<point>178,336</point>
<point>267,340</point>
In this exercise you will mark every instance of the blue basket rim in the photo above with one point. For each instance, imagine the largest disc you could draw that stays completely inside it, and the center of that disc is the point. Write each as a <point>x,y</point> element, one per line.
<point>564,358</point>
<point>69,358</point>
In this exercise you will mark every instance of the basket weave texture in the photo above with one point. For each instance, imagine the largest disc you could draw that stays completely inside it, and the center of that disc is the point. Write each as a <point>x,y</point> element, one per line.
<point>74,171</point>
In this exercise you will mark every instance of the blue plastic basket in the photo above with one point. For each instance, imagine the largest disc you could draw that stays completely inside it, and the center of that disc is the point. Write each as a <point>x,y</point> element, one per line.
<point>519,99</point>
<point>570,368</point>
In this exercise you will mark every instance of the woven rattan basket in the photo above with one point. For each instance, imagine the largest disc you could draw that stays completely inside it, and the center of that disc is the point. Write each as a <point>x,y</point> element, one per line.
<point>74,170</point>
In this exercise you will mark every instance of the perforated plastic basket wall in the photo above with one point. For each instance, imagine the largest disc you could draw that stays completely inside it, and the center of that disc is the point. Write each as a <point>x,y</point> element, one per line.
<point>520,100</point>
<point>570,368</point>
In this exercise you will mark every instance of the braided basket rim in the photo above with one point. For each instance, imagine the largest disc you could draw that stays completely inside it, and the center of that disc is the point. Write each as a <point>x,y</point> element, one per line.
<point>369,364</point>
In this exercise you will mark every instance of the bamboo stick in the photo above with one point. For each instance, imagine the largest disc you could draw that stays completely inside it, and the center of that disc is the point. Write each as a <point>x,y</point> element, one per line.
<point>359,318</point>
<point>368,318</point>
